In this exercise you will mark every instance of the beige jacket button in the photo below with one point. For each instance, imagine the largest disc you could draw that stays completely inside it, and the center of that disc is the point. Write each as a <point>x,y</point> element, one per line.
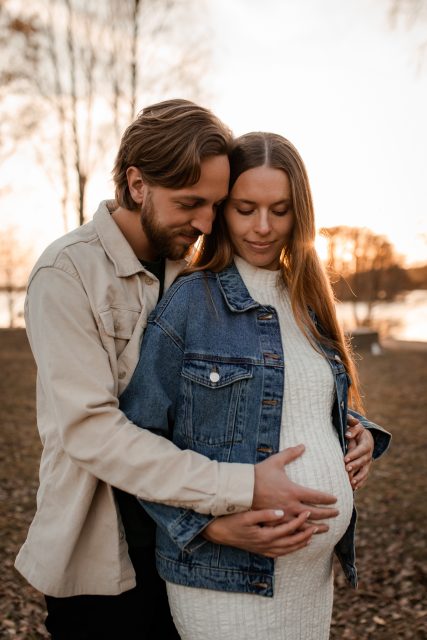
<point>122,374</point>
<point>231,508</point>
<point>148,280</point>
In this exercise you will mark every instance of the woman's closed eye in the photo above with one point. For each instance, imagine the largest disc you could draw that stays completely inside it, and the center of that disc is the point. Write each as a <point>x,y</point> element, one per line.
<point>244,212</point>
<point>276,212</point>
<point>281,212</point>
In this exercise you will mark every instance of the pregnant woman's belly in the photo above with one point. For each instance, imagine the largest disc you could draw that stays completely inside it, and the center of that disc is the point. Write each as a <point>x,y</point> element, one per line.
<point>320,467</point>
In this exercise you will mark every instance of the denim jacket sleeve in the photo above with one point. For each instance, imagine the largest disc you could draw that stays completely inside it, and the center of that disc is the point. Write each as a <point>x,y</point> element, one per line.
<point>381,436</point>
<point>150,401</point>
<point>183,526</point>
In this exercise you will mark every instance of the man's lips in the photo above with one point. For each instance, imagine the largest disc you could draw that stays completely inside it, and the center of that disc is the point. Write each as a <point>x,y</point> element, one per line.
<point>189,237</point>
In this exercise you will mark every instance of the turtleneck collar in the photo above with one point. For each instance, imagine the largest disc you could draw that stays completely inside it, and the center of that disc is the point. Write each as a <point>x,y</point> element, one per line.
<point>257,277</point>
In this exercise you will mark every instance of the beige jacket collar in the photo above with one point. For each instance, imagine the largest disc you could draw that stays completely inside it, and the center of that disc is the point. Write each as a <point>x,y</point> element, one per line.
<point>119,250</point>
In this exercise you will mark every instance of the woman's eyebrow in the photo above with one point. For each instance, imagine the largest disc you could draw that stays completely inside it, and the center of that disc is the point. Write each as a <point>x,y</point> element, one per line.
<point>273,204</point>
<point>243,200</point>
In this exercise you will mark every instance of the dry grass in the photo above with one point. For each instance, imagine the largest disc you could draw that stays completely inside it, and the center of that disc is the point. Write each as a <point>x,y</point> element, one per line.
<point>391,601</point>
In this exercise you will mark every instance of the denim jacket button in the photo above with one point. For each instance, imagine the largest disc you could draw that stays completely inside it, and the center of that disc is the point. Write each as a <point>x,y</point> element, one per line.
<point>214,376</point>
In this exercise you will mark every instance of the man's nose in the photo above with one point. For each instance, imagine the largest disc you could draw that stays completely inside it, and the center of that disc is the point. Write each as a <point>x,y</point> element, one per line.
<point>203,221</point>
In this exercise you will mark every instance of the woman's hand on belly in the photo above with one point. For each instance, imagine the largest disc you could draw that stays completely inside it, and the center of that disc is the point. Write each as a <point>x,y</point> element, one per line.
<point>358,459</point>
<point>264,532</point>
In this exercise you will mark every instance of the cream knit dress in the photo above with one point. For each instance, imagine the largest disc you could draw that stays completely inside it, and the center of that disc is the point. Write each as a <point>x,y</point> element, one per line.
<point>303,581</point>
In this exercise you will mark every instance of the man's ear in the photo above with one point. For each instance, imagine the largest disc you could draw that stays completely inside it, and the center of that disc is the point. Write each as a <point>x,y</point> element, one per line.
<point>136,184</point>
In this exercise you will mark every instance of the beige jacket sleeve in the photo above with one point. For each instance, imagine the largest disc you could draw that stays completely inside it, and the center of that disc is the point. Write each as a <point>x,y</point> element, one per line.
<point>78,410</point>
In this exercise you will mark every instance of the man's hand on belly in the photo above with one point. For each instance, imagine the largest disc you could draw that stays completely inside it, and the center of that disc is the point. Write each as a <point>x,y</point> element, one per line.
<point>274,490</point>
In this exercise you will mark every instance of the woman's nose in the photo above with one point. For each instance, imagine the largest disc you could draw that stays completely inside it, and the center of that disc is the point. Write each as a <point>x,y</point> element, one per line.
<point>263,223</point>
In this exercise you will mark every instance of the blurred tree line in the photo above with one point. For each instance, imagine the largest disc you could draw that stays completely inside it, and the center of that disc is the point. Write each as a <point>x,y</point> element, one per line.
<point>364,267</point>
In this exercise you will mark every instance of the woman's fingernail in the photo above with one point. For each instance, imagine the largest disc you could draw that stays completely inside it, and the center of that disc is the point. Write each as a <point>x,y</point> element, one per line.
<point>279,513</point>
<point>307,514</point>
<point>315,530</point>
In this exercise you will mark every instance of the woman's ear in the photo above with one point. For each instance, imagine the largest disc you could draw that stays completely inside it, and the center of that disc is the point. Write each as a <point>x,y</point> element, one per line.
<point>136,184</point>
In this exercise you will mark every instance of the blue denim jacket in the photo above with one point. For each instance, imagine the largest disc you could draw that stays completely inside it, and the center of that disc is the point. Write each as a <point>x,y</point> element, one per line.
<point>211,377</point>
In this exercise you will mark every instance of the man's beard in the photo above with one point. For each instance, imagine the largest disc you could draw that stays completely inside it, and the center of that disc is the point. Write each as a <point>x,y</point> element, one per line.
<point>162,239</point>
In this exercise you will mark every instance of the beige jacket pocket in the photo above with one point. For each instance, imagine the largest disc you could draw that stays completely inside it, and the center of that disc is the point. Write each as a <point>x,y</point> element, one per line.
<point>119,324</point>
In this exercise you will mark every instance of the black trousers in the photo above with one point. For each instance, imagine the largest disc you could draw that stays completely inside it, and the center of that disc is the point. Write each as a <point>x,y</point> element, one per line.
<point>139,614</point>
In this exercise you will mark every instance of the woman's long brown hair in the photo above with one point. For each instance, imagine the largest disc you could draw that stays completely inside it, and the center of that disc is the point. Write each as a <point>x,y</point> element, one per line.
<point>302,270</point>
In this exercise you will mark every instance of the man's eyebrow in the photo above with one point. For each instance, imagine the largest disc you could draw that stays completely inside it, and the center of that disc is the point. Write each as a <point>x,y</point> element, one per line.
<point>198,199</point>
<point>189,197</point>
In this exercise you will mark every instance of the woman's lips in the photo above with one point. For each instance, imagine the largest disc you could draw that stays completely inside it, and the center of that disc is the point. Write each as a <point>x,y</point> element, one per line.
<point>259,245</point>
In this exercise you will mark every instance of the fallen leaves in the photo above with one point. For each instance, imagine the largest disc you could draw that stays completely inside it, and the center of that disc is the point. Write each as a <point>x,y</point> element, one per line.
<point>390,603</point>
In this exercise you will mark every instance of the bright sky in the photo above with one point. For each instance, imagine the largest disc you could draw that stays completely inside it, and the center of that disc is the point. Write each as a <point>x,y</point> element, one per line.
<point>333,77</point>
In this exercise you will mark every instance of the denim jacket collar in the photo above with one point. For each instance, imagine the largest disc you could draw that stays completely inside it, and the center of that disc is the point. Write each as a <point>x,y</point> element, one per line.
<point>239,300</point>
<point>234,291</point>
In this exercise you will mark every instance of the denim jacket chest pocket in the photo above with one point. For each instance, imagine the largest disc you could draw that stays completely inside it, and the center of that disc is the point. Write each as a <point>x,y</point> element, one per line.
<point>218,389</point>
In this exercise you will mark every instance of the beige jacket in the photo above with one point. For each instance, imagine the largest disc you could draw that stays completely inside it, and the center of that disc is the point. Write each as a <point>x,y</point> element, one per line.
<point>86,310</point>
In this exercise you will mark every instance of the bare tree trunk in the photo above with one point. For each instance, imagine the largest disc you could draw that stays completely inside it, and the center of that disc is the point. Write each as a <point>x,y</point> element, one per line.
<point>81,178</point>
<point>11,307</point>
<point>134,58</point>
<point>115,73</point>
<point>356,317</point>
<point>62,118</point>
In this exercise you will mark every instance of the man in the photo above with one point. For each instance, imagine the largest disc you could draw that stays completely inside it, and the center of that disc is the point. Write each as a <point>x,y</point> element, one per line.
<point>87,305</point>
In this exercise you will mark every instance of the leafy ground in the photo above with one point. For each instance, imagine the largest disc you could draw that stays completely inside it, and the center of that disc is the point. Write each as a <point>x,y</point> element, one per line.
<point>391,602</point>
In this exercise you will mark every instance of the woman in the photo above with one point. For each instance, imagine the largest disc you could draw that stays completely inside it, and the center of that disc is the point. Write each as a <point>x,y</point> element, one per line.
<point>244,357</point>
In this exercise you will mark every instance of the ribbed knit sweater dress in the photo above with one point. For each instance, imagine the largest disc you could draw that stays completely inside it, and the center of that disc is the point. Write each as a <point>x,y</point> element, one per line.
<point>303,581</point>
